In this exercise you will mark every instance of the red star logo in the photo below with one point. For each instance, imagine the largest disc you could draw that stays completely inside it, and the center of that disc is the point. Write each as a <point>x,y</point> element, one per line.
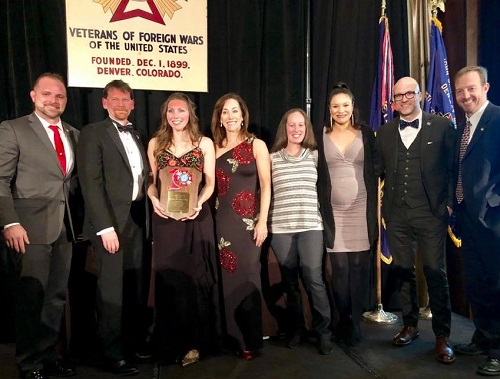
<point>120,13</point>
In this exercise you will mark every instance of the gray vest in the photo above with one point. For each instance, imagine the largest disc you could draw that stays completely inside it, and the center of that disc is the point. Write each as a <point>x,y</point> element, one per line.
<point>409,188</point>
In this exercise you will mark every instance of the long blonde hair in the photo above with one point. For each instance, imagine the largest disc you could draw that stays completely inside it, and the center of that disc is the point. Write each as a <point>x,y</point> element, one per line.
<point>164,135</point>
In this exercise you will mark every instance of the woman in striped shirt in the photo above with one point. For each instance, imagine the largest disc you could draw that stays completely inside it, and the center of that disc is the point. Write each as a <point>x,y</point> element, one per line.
<point>296,225</point>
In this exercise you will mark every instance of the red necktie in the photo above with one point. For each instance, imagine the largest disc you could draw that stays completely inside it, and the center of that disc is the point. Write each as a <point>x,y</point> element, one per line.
<point>59,147</point>
<point>464,142</point>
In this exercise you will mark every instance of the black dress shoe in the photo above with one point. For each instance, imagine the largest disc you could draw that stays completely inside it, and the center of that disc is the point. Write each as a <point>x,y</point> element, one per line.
<point>325,345</point>
<point>491,367</point>
<point>37,374</point>
<point>121,368</point>
<point>471,348</point>
<point>142,357</point>
<point>405,336</point>
<point>58,368</point>
<point>295,340</point>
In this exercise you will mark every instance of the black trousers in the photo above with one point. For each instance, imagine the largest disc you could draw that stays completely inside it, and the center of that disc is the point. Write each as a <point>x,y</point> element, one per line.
<point>350,285</point>
<point>121,296</point>
<point>41,295</point>
<point>406,228</point>
<point>481,255</point>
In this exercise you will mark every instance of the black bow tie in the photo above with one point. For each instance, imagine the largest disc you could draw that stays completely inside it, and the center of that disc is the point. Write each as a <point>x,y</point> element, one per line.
<point>127,128</point>
<point>403,124</point>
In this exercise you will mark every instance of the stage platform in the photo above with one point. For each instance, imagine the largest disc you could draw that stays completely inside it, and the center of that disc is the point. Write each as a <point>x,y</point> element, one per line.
<point>376,357</point>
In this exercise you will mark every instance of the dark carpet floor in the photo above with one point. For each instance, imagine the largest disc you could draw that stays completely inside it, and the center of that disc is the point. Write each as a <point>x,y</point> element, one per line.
<point>376,357</point>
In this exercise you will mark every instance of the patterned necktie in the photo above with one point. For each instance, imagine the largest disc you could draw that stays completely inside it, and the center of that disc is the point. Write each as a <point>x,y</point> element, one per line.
<point>464,142</point>
<point>403,124</point>
<point>59,148</point>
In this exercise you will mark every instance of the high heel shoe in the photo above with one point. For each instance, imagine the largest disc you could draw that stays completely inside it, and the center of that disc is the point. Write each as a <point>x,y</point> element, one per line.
<point>191,357</point>
<point>248,355</point>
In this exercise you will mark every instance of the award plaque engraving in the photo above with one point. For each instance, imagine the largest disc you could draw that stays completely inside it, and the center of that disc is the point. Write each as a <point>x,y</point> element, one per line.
<point>179,190</point>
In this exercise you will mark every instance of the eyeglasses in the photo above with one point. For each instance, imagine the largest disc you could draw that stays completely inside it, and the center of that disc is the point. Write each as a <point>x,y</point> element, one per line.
<point>408,95</point>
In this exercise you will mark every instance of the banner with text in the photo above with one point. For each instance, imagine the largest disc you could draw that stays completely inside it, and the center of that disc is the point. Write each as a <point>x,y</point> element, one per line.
<point>150,44</point>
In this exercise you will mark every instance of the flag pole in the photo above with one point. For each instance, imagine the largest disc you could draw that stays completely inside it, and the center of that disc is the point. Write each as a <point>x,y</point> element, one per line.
<point>434,101</point>
<point>378,315</point>
<point>308,59</point>
<point>425,313</point>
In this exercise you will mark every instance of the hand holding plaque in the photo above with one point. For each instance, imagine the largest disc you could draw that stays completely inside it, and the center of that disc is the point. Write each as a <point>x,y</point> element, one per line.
<point>179,191</point>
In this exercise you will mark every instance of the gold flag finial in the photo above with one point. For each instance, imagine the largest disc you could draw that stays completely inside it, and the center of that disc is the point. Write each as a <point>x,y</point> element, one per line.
<point>434,5</point>
<point>382,9</point>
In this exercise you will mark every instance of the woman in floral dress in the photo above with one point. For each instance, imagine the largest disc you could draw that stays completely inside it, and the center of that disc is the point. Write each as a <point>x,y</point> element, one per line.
<point>183,261</point>
<point>243,197</point>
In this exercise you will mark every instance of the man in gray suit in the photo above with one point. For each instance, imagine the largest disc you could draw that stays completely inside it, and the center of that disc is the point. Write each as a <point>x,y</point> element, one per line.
<point>37,155</point>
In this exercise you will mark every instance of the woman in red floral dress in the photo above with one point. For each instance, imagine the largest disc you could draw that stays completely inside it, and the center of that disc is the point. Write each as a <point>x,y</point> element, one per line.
<point>243,196</point>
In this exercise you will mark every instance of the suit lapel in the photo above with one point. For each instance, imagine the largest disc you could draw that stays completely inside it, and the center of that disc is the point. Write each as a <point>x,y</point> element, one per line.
<point>140,146</point>
<point>39,130</point>
<point>395,127</point>
<point>71,138</point>
<point>425,137</point>
<point>113,133</point>
<point>482,125</point>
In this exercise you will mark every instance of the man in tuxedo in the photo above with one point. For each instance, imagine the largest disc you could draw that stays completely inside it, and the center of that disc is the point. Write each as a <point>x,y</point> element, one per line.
<point>36,167</point>
<point>414,154</point>
<point>478,212</point>
<point>113,176</point>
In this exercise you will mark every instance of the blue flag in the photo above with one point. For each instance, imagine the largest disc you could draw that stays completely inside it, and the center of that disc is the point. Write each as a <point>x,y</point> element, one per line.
<point>381,109</point>
<point>438,96</point>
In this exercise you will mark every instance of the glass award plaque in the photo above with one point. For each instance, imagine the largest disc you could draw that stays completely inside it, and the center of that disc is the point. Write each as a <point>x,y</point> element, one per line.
<point>179,191</point>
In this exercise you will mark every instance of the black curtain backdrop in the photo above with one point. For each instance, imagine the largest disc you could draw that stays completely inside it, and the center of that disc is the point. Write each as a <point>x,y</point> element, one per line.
<point>489,46</point>
<point>255,48</point>
<point>345,47</point>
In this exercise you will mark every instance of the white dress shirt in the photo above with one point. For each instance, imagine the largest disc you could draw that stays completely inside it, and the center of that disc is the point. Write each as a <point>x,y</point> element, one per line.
<point>474,119</point>
<point>409,133</point>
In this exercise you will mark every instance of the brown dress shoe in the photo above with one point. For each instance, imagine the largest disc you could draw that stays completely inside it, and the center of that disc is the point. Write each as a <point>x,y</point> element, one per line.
<point>405,336</point>
<point>444,351</point>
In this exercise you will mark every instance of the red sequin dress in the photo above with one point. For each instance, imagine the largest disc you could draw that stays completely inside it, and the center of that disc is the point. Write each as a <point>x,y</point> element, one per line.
<point>184,265</point>
<point>237,210</point>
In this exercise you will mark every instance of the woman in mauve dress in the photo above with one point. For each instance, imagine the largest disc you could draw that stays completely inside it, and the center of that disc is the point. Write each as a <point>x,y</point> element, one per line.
<point>349,208</point>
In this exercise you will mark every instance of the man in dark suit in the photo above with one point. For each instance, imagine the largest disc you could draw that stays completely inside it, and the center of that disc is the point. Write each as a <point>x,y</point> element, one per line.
<point>114,175</point>
<point>478,212</point>
<point>36,167</point>
<point>414,153</point>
